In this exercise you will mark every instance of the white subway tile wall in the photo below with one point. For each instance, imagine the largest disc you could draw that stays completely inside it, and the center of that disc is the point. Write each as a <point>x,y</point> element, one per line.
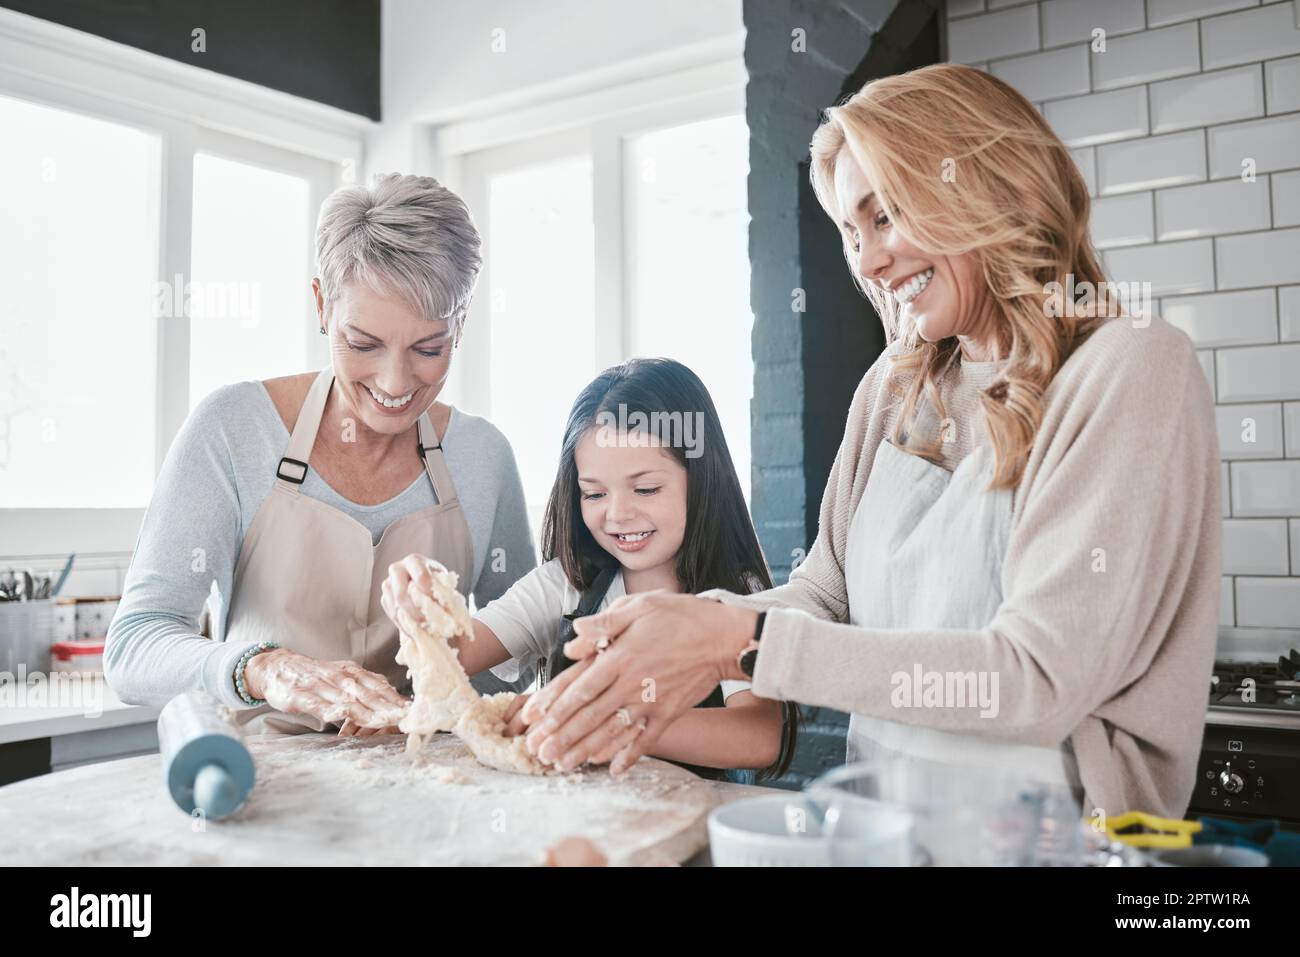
<point>1224,318</point>
<point>1209,209</point>
<point>1264,33</point>
<point>1065,21</point>
<point>1145,57</point>
<point>1256,373</point>
<point>1206,98</point>
<point>1288,308</point>
<point>1171,268</point>
<point>1163,12</point>
<point>1255,546</point>
<point>1151,162</point>
<point>1286,198</point>
<point>1258,146</point>
<point>1183,117</point>
<point>1282,85</point>
<point>1099,117</point>
<point>1122,220</point>
<point>1249,431</point>
<point>1047,76</point>
<point>1258,259</point>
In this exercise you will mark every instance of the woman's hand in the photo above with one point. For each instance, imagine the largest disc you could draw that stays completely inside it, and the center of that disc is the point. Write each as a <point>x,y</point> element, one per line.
<point>514,720</point>
<point>671,651</point>
<point>413,569</point>
<point>337,692</point>
<point>350,729</point>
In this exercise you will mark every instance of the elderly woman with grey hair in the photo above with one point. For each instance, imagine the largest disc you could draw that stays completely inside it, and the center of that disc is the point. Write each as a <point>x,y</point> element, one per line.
<point>290,498</point>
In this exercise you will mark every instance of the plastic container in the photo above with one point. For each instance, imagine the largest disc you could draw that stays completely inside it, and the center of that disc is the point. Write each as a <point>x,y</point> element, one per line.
<point>86,657</point>
<point>788,830</point>
<point>962,816</point>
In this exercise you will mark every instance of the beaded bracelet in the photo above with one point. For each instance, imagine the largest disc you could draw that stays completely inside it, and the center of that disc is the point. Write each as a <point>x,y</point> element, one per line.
<point>239,671</point>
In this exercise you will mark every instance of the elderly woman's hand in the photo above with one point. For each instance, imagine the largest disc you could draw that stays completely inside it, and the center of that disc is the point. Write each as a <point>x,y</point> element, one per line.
<point>337,692</point>
<point>671,651</point>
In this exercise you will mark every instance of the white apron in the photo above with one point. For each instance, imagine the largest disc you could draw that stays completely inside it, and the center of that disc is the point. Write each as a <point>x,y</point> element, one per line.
<point>925,551</point>
<point>309,575</point>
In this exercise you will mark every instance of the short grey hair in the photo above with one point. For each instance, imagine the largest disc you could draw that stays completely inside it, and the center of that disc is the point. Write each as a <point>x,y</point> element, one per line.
<point>403,236</point>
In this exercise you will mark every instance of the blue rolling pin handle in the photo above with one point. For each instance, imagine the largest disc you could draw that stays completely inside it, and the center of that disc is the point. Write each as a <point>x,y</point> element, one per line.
<point>212,774</point>
<point>216,792</point>
<point>205,766</point>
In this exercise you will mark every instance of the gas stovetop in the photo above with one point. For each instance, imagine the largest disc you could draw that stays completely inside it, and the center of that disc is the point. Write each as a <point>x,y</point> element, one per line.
<point>1250,754</point>
<point>1257,693</point>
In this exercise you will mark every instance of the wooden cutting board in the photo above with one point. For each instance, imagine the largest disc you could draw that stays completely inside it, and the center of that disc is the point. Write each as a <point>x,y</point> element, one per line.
<point>325,800</point>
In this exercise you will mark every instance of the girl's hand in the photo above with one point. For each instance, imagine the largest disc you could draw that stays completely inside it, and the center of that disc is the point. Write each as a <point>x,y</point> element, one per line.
<point>351,728</point>
<point>411,570</point>
<point>332,691</point>
<point>514,719</point>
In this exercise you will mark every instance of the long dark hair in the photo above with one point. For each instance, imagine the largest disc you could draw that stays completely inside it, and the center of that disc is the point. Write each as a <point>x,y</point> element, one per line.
<point>720,548</point>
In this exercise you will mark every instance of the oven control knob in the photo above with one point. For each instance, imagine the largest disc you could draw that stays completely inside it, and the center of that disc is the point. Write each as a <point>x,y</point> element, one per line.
<point>1231,781</point>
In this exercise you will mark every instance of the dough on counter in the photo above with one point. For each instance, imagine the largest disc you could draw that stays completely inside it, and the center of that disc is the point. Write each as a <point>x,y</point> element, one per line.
<point>444,698</point>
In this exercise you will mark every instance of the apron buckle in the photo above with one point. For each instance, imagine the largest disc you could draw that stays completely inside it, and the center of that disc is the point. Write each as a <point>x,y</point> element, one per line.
<point>279,471</point>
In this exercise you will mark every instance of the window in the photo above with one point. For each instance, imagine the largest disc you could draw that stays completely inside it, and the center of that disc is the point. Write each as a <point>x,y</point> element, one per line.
<point>543,319</point>
<point>79,220</point>
<point>687,262</point>
<point>122,171</point>
<point>250,292</point>
<point>621,237</point>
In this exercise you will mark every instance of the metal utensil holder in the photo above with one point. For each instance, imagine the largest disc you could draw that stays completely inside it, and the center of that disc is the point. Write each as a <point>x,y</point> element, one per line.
<point>26,634</point>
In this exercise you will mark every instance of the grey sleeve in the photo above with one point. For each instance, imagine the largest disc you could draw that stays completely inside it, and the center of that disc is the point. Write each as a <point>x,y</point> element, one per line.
<point>511,553</point>
<point>189,539</point>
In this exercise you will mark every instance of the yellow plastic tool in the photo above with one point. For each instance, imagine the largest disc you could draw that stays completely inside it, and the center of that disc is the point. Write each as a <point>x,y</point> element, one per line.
<point>1139,829</point>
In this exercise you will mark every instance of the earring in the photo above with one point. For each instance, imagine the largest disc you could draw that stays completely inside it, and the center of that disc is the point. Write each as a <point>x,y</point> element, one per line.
<point>322,330</point>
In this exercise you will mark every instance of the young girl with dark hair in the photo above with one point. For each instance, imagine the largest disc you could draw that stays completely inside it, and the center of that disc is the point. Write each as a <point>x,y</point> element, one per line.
<point>645,498</point>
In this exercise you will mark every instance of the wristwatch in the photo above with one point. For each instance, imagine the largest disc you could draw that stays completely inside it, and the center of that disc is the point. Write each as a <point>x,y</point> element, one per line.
<point>748,655</point>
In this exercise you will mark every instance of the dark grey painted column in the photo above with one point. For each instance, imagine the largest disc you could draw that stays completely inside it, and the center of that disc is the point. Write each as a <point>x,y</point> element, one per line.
<point>814,334</point>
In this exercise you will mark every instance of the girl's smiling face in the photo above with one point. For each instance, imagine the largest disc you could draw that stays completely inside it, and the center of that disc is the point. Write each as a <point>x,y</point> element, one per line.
<point>633,497</point>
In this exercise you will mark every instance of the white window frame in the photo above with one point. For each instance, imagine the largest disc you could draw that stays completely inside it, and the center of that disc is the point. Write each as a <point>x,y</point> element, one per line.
<point>600,123</point>
<point>190,110</point>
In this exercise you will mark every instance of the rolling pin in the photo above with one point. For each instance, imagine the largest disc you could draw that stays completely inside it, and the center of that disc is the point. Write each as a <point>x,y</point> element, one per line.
<point>205,765</point>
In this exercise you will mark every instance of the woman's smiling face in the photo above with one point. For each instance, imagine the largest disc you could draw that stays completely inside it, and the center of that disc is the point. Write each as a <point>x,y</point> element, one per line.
<point>384,352</point>
<point>943,295</point>
<point>633,498</point>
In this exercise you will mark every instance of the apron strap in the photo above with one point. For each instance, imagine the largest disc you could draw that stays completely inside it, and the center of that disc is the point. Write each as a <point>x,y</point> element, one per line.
<point>292,469</point>
<point>588,602</point>
<point>429,447</point>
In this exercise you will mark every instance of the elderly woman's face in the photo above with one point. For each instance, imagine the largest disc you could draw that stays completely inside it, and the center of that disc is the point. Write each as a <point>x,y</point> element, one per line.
<point>390,363</point>
<point>943,295</point>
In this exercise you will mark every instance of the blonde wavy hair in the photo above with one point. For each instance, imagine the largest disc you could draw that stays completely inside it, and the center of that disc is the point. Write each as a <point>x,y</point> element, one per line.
<point>965,164</point>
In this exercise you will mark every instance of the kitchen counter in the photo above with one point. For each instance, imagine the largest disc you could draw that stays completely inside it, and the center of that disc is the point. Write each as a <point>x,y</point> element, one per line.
<point>24,722</point>
<point>94,725</point>
<point>325,800</point>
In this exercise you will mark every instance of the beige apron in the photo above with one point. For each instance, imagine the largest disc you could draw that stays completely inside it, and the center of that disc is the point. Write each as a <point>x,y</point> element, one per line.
<point>309,575</point>
<point>925,551</point>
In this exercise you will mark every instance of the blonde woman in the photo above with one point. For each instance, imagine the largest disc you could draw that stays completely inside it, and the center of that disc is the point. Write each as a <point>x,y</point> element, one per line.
<point>290,498</point>
<point>1026,496</point>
